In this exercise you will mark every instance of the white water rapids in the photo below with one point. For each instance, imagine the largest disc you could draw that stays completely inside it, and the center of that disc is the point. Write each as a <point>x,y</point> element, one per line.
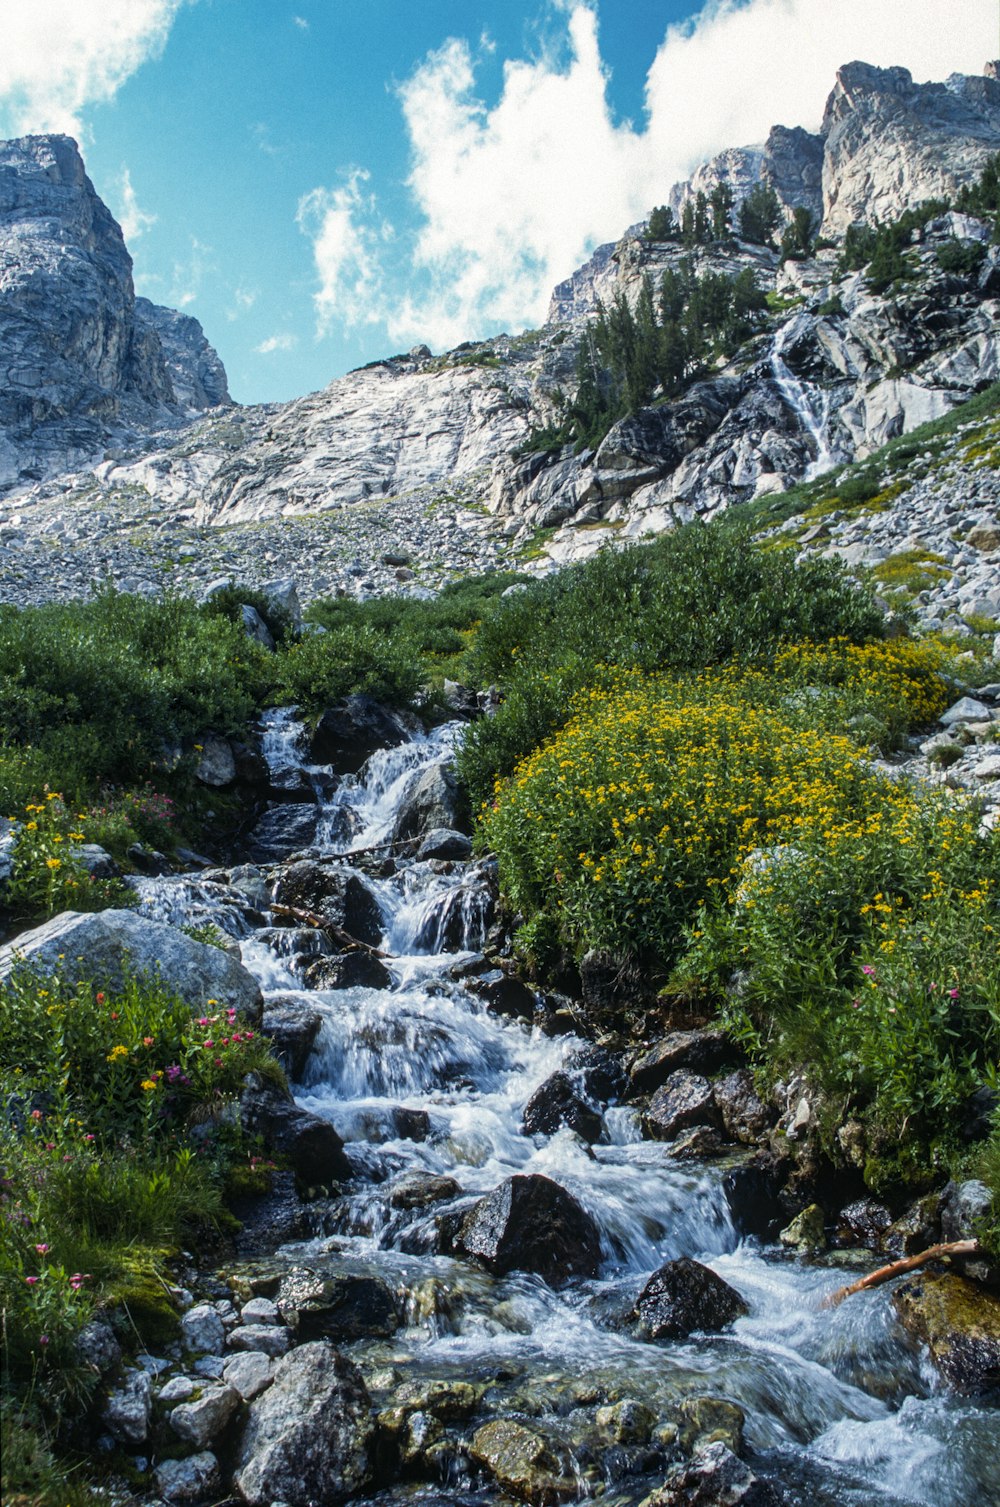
<point>838,1409</point>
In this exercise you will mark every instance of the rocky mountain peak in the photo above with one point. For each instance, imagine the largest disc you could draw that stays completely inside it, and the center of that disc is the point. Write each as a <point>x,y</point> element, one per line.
<point>80,367</point>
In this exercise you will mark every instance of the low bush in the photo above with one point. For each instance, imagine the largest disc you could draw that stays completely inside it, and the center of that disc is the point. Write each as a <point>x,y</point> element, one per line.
<point>117,1141</point>
<point>324,667</point>
<point>697,597</point>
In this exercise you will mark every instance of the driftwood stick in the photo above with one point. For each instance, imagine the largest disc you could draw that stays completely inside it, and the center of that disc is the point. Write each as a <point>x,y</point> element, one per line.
<point>897,1268</point>
<point>338,934</point>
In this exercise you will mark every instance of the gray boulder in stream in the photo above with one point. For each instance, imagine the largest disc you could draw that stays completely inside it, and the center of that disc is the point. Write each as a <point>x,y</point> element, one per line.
<point>531,1224</point>
<point>714,1478</point>
<point>314,1150</point>
<point>308,1437</point>
<point>335,893</point>
<point>430,801</point>
<point>115,943</point>
<point>350,732</point>
<point>684,1296</point>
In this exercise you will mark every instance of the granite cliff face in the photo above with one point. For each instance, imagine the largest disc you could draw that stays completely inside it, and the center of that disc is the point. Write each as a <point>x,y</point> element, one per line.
<point>115,409</point>
<point>81,367</point>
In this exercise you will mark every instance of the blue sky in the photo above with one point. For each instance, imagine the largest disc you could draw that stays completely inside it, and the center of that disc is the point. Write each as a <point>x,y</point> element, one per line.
<point>322,183</point>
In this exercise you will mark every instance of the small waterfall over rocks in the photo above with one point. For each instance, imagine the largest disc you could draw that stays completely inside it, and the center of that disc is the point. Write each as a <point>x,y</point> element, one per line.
<point>811,405</point>
<point>427,1088</point>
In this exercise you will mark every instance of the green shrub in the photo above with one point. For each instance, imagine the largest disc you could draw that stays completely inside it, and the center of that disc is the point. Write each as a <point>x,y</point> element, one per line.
<point>322,668</point>
<point>695,598</point>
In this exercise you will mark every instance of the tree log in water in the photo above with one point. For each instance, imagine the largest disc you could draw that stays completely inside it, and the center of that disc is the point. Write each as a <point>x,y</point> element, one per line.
<point>897,1268</point>
<point>310,918</point>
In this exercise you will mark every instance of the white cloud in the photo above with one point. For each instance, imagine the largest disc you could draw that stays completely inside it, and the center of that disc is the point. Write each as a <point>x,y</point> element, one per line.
<point>284,342</point>
<point>345,252</point>
<point>512,197</point>
<point>60,55</point>
<point>301,23</point>
<point>133,220</point>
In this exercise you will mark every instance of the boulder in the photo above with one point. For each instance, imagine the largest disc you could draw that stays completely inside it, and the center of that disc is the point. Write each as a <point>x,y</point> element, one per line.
<point>255,627</point>
<point>347,1306</point>
<point>313,1148</point>
<point>271,1340</point>
<point>308,1437</point>
<point>350,732</point>
<point>348,970</point>
<point>195,1479</point>
<point>711,1420</point>
<point>205,1418</point>
<point>97,1348</point>
<point>752,1191</point>
<point>292,1028</point>
<point>116,942</point>
<point>959,1323</point>
<point>335,893</point>
<point>445,843</point>
<point>216,765</point>
<point>744,1114</point>
<point>807,1231</point>
<point>203,1331</point>
<point>963,1206</point>
<point>504,995</point>
<point>522,1462</point>
<point>128,1409</point>
<point>282,830</point>
<point>684,1296</point>
<point>557,1102</point>
<point>697,1051</point>
<point>248,1373</point>
<point>417,1190</point>
<point>531,1224</point>
<point>863,1222</point>
<point>714,1478</point>
<point>686,1099</point>
<point>430,801</point>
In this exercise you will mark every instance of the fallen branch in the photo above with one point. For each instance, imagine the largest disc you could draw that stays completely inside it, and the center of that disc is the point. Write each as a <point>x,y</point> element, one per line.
<point>337,933</point>
<point>897,1268</point>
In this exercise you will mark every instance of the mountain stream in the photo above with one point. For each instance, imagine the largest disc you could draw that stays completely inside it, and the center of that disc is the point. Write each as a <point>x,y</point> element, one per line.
<point>840,1411</point>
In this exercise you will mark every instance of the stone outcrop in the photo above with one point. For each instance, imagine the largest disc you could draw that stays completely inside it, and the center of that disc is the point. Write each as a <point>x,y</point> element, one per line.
<point>80,365</point>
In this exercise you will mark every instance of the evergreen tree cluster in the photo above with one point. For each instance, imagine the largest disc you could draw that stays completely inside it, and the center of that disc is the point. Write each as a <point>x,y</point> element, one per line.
<point>707,219</point>
<point>629,357</point>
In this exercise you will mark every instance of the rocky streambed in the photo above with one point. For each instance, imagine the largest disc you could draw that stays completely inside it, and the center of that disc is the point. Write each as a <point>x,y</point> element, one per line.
<point>506,1261</point>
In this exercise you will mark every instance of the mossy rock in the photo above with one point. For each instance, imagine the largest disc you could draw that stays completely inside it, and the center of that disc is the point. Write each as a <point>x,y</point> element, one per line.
<point>522,1462</point>
<point>959,1323</point>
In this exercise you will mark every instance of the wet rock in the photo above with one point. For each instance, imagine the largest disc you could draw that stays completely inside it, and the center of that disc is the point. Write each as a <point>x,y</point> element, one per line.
<point>522,1462</point>
<point>308,1437</point>
<point>335,893</point>
<point>195,1479</point>
<point>460,700</point>
<point>556,1103</point>
<point>202,1330</point>
<point>531,1224</point>
<point>97,1348</point>
<point>420,1189</point>
<point>504,995</point>
<point>714,1478</point>
<point>431,800</point>
<point>807,1231</point>
<point>269,1339</point>
<point>348,970</point>
<point>350,732</point>
<point>116,942</point>
<point>345,1307</point>
<point>959,1323</point>
<point>686,1099</point>
<point>249,1373</point>
<point>702,1141</point>
<point>711,1420</point>
<point>445,843</point>
<point>313,1148</point>
<point>128,1409</point>
<point>216,765</point>
<point>744,1114</point>
<point>282,830</point>
<point>204,1419</point>
<point>863,1222</point>
<point>260,1311</point>
<point>963,1207</point>
<point>697,1051</point>
<point>916,1230</point>
<point>684,1296</point>
<point>292,1028</point>
<point>626,1422</point>
<point>270,1219</point>
<point>601,1072</point>
<point>752,1194</point>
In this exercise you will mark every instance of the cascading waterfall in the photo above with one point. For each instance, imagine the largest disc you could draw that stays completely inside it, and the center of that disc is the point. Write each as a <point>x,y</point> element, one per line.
<point>810,405</point>
<point>423,1081</point>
